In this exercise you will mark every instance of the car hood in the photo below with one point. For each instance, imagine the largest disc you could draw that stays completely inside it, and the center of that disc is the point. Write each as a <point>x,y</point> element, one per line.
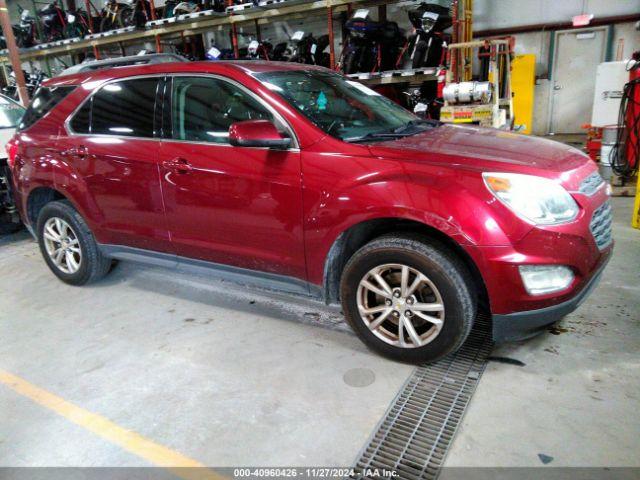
<point>483,149</point>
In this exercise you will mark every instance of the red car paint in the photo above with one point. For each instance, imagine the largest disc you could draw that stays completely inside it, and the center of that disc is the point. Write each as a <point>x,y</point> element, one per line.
<point>280,211</point>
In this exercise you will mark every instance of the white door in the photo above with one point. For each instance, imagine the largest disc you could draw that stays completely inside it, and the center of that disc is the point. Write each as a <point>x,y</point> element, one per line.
<point>576,56</point>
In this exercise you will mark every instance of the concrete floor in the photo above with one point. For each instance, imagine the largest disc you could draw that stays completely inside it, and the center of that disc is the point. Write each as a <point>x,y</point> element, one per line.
<point>233,377</point>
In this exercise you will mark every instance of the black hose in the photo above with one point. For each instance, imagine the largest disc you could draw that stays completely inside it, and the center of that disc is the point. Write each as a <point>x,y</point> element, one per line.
<point>627,146</point>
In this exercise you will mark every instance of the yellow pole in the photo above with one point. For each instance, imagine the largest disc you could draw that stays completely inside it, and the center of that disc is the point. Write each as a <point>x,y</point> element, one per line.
<point>635,219</point>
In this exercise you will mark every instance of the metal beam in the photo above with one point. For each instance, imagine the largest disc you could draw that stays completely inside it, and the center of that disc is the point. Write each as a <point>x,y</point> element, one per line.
<point>14,54</point>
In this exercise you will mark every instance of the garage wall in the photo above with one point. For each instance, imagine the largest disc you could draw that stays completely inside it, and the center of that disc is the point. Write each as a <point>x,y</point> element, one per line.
<point>490,14</point>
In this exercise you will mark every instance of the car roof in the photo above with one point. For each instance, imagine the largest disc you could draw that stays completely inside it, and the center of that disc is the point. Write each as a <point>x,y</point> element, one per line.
<point>248,67</point>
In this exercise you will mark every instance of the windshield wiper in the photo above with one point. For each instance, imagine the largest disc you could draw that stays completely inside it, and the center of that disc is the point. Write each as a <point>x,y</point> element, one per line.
<point>413,126</point>
<point>375,136</point>
<point>410,128</point>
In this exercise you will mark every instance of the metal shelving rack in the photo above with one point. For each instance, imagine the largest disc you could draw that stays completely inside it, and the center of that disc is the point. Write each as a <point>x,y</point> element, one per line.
<point>183,25</point>
<point>200,22</point>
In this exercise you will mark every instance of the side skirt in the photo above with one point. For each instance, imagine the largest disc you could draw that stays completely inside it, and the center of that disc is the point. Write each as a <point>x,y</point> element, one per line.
<point>241,276</point>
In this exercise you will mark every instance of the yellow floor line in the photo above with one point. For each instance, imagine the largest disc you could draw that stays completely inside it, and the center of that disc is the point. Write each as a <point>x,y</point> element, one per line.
<point>178,464</point>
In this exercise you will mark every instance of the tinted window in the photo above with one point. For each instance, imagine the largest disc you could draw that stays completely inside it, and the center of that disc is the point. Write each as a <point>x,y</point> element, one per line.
<point>204,108</point>
<point>82,118</point>
<point>125,108</point>
<point>43,102</point>
<point>343,108</point>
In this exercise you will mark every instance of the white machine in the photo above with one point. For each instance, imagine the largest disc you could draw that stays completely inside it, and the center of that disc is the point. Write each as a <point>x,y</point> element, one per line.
<point>610,80</point>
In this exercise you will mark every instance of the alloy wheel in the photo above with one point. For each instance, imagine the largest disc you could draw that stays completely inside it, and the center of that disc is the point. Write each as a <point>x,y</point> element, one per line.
<point>400,305</point>
<point>62,245</point>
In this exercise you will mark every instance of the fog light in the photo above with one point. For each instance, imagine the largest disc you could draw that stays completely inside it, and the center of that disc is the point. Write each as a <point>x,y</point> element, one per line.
<point>542,279</point>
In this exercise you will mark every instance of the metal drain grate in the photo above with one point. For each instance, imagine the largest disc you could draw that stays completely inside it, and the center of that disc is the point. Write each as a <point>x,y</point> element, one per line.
<point>415,434</point>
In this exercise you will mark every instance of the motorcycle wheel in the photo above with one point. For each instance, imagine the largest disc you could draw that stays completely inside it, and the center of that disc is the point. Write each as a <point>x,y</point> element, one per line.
<point>127,17</point>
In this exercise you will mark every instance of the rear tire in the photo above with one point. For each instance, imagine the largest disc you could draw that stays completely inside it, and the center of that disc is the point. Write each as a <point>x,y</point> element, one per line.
<point>445,283</point>
<point>60,227</point>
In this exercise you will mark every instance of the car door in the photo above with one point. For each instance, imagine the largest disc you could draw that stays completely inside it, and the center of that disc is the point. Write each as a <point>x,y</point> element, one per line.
<point>112,147</point>
<point>239,206</point>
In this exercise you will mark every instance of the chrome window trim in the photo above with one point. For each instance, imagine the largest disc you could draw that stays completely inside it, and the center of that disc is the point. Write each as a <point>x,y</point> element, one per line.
<point>67,123</point>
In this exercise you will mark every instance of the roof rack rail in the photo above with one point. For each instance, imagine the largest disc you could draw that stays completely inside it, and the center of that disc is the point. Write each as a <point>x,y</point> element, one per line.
<point>124,61</point>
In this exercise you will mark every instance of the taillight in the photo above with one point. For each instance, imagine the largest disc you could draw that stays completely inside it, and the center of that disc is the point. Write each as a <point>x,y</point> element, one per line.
<point>12,151</point>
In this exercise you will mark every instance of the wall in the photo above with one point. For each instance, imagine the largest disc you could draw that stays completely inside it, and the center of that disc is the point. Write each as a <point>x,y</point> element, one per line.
<point>490,14</point>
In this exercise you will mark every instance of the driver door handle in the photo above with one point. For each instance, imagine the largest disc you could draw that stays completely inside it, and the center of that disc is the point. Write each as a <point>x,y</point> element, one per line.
<point>178,165</point>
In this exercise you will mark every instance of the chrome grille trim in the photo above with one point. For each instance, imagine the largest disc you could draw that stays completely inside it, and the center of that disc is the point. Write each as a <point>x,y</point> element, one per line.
<point>600,225</point>
<point>591,184</point>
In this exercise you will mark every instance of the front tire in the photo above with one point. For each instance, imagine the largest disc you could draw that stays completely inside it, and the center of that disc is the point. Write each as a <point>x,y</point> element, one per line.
<point>407,299</point>
<point>68,246</point>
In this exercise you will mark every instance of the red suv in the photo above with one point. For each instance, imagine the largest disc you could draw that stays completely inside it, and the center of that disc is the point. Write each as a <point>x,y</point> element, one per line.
<point>293,178</point>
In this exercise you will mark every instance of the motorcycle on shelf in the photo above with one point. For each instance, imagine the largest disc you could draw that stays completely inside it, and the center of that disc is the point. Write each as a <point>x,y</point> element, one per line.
<point>77,24</point>
<point>370,45</point>
<point>423,100</point>
<point>427,46</point>
<point>308,49</point>
<point>281,52</point>
<point>259,50</point>
<point>184,8</point>
<point>175,8</point>
<point>214,53</point>
<point>53,21</point>
<point>26,32</point>
<point>127,13</point>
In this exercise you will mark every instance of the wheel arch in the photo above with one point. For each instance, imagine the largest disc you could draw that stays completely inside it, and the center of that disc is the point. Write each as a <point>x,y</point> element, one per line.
<point>37,199</point>
<point>356,236</point>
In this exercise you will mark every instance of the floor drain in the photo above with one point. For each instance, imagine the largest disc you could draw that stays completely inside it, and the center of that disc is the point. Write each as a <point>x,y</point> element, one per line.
<point>413,437</point>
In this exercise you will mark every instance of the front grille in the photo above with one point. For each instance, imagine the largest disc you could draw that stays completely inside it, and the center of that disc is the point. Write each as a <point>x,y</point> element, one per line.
<point>591,184</point>
<point>601,225</point>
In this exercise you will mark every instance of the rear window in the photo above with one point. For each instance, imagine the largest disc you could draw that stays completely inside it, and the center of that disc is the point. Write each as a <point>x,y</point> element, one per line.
<point>43,102</point>
<point>124,108</point>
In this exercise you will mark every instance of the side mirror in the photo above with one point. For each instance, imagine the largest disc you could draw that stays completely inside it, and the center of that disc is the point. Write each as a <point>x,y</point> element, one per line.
<point>257,133</point>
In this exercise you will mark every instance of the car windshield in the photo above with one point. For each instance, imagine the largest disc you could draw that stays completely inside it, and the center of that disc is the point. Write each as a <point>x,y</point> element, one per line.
<point>10,113</point>
<point>342,108</point>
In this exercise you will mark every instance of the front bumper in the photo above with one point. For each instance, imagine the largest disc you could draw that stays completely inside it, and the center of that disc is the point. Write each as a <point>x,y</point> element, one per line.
<point>521,325</point>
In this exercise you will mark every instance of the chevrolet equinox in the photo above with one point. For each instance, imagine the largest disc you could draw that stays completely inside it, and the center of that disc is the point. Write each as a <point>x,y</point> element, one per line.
<point>292,177</point>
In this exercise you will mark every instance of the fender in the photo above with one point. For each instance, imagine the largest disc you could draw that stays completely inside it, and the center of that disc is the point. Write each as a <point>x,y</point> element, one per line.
<point>375,195</point>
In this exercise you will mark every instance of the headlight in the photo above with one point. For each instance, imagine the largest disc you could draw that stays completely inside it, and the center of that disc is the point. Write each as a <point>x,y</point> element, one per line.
<point>535,199</point>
